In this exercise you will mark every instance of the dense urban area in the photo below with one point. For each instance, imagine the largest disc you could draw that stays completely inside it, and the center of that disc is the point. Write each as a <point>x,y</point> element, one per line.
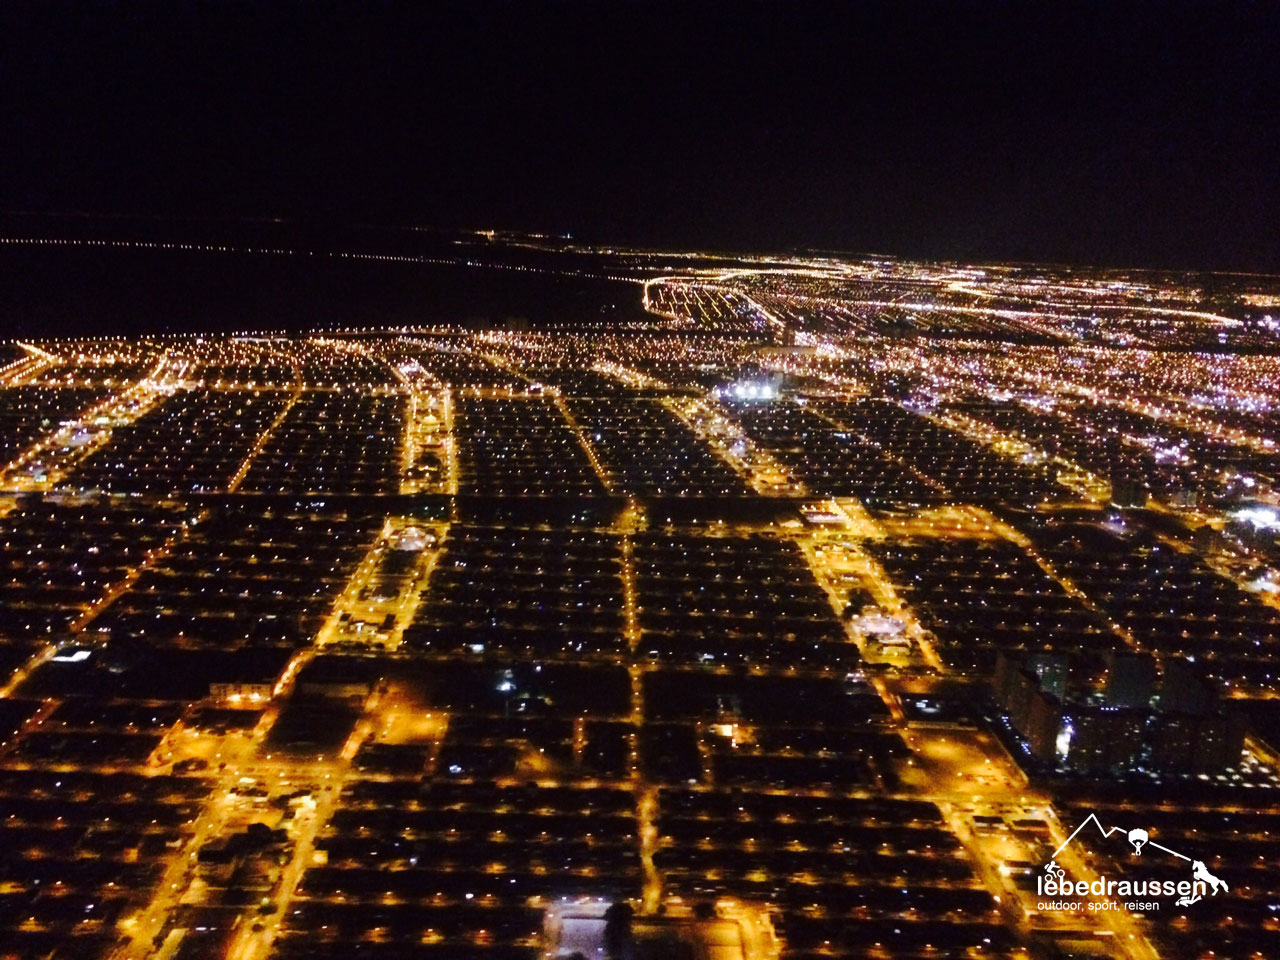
<point>757,607</point>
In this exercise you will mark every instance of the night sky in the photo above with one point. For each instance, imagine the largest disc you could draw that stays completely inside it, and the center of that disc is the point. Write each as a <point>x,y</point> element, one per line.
<point>1109,133</point>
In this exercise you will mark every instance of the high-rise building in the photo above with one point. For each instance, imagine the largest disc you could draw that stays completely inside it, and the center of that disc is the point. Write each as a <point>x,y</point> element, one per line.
<point>1098,739</point>
<point>1043,725</point>
<point>1196,743</point>
<point>1128,491</point>
<point>1051,669</point>
<point>1131,680</point>
<point>1184,690</point>
<point>1182,730</point>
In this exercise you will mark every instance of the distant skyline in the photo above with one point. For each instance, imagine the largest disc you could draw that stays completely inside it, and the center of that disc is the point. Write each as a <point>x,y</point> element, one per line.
<point>1132,135</point>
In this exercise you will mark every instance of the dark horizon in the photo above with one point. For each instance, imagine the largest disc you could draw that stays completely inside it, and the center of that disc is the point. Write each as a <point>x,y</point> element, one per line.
<point>338,229</point>
<point>1130,135</point>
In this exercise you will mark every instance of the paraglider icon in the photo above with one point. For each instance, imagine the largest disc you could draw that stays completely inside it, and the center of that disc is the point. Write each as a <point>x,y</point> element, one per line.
<point>1138,837</point>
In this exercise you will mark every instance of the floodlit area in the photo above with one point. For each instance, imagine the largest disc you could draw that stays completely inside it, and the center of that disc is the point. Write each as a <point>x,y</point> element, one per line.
<point>727,930</point>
